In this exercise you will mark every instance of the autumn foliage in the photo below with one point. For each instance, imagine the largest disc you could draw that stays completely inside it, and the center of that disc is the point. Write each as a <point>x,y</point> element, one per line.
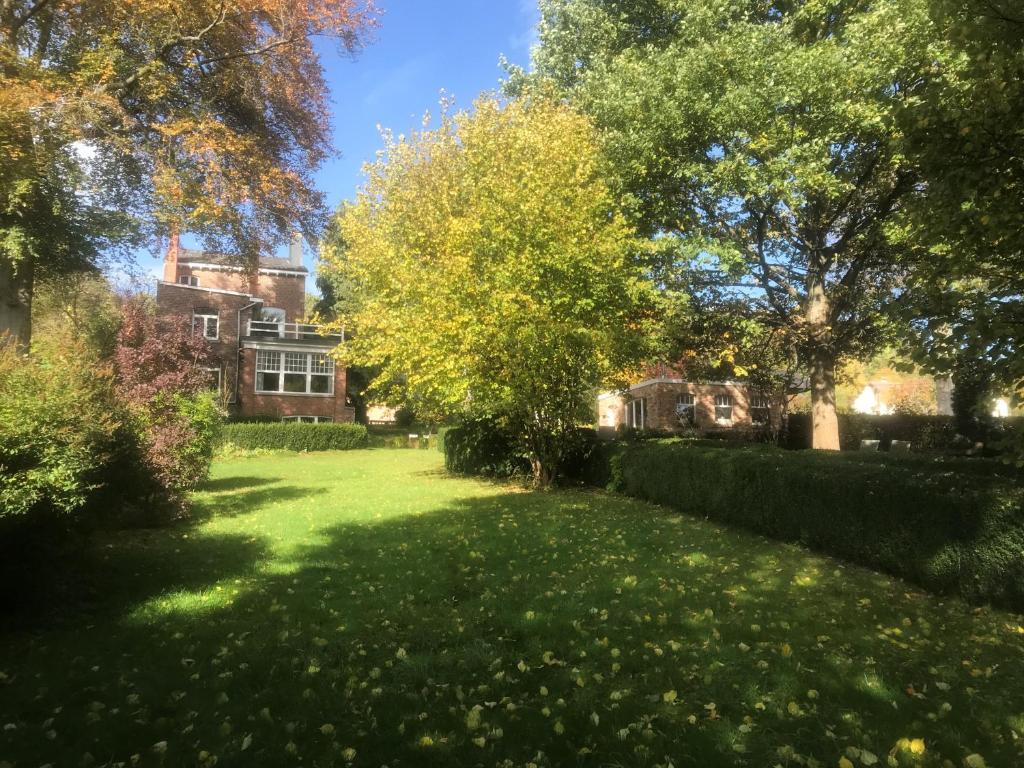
<point>164,390</point>
<point>209,116</point>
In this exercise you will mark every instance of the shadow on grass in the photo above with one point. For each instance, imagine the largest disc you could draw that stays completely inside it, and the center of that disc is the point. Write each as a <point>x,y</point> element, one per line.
<point>233,483</point>
<point>559,628</point>
<point>109,571</point>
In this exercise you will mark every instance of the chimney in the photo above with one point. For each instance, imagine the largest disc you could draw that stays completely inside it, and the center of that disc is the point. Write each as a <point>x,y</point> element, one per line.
<point>171,258</point>
<point>295,250</point>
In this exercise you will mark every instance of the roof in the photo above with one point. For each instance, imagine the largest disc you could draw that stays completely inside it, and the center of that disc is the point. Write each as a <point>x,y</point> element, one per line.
<point>195,256</point>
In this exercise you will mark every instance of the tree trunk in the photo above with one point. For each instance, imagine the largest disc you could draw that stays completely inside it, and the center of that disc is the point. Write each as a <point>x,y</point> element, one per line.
<point>544,473</point>
<point>16,283</point>
<point>824,420</point>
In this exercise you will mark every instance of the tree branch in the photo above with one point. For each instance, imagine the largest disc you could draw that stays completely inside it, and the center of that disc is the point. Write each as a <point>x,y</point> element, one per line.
<point>20,21</point>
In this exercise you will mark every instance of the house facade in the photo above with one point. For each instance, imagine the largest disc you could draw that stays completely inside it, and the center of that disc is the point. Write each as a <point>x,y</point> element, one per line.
<point>268,364</point>
<point>669,404</point>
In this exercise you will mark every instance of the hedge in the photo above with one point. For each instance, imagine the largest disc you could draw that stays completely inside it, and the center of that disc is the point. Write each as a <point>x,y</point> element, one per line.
<point>923,431</point>
<point>292,436</point>
<point>949,531</point>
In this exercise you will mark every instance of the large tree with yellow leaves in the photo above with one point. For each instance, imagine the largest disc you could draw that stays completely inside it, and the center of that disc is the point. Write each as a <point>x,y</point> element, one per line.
<point>123,119</point>
<point>491,272</point>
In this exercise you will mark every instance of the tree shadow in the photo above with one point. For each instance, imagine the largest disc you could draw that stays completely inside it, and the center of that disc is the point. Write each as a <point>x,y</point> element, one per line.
<point>233,483</point>
<point>231,503</point>
<point>587,628</point>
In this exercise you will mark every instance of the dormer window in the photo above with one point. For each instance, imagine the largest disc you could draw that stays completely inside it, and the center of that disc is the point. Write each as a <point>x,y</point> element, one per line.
<point>192,280</point>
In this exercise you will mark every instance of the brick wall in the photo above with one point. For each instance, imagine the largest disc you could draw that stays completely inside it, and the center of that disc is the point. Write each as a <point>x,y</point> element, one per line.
<point>287,292</point>
<point>183,300</point>
<point>252,405</point>
<point>660,406</point>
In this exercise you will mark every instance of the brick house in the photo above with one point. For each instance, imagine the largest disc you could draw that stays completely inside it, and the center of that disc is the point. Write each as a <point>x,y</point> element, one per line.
<point>269,365</point>
<point>666,403</point>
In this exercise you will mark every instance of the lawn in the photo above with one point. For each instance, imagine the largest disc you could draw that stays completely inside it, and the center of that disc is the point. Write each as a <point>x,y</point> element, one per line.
<point>364,608</point>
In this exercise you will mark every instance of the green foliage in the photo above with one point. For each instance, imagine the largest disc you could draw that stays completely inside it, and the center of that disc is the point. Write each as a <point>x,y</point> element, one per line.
<point>948,530</point>
<point>57,430</point>
<point>483,447</point>
<point>764,139</point>
<point>288,436</point>
<point>492,273</point>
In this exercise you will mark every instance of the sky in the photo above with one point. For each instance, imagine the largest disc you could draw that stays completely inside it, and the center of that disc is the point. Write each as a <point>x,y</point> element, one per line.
<point>419,49</point>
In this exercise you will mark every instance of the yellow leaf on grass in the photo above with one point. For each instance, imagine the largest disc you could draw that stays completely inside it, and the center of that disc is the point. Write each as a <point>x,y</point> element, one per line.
<point>844,763</point>
<point>974,761</point>
<point>669,696</point>
<point>917,746</point>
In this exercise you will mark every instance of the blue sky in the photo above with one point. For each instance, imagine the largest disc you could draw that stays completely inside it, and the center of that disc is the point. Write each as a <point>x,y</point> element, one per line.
<point>420,48</point>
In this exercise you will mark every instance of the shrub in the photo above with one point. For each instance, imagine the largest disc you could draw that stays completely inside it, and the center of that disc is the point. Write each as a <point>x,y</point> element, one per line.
<point>290,436</point>
<point>57,430</point>
<point>483,447</point>
<point>163,388</point>
<point>948,530</point>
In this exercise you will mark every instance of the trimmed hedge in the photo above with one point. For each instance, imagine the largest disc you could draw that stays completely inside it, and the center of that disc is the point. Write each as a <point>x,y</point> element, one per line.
<point>924,432</point>
<point>290,436</point>
<point>951,532</point>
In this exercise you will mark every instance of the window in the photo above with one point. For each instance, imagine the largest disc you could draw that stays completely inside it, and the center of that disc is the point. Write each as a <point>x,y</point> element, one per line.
<point>297,373</point>
<point>686,409</point>
<point>723,409</point>
<point>206,322</point>
<point>189,280</point>
<point>636,413</point>
<point>309,419</point>
<point>759,410</point>
<point>214,379</point>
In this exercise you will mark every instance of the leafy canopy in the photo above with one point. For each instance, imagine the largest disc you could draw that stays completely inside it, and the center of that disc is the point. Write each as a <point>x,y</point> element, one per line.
<point>122,115</point>
<point>491,271</point>
<point>765,138</point>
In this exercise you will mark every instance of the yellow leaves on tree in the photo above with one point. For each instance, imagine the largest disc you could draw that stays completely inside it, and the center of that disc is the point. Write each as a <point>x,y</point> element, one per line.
<point>493,272</point>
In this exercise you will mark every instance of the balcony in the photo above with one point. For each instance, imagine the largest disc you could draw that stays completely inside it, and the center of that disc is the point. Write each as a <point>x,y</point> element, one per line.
<point>269,329</point>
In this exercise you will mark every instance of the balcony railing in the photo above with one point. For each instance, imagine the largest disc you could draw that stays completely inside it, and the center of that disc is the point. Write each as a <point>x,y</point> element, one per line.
<point>268,329</point>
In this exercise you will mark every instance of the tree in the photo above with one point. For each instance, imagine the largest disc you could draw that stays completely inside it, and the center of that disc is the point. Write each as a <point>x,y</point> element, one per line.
<point>162,383</point>
<point>492,273</point>
<point>966,309</point>
<point>123,120</point>
<point>765,138</point>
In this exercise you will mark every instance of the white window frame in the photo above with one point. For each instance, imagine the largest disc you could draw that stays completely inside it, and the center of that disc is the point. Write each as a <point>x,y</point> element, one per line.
<point>309,419</point>
<point>686,408</point>
<point>219,372</point>
<point>287,363</point>
<point>205,318</point>
<point>192,280</point>
<point>722,402</point>
<point>636,413</point>
<point>760,404</point>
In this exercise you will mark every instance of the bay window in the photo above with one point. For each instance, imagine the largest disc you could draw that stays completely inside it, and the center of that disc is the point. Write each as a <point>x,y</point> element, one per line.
<point>296,373</point>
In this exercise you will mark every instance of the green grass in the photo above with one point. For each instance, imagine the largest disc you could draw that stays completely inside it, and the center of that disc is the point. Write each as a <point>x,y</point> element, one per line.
<point>364,608</point>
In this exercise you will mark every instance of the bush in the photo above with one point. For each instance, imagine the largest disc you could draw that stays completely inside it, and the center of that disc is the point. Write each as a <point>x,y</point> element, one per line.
<point>290,436</point>
<point>57,431</point>
<point>950,531</point>
<point>483,447</point>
